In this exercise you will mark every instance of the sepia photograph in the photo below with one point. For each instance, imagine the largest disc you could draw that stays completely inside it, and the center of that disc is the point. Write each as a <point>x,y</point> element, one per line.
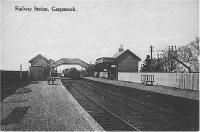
<point>99,65</point>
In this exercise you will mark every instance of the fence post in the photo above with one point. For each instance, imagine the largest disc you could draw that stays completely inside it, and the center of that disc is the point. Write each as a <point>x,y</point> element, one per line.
<point>20,74</point>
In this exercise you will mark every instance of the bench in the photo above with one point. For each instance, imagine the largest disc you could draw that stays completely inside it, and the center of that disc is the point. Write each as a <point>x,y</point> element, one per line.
<point>147,79</point>
<point>51,79</point>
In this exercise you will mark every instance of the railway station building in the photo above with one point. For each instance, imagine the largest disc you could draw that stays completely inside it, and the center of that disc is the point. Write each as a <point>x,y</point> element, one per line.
<point>122,61</point>
<point>40,68</point>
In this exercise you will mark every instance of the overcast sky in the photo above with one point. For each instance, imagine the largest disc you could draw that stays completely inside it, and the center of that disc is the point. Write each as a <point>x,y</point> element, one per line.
<point>95,30</point>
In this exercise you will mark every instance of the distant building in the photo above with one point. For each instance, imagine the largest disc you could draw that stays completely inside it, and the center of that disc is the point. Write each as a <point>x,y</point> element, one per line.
<point>122,61</point>
<point>40,67</point>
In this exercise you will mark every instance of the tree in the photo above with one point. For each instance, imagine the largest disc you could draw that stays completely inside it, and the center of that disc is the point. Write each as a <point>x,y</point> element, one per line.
<point>90,70</point>
<point>146,67</point>
<point>189,54</point>
<point>177,60</point>
<point>73,73</point>
<point>157,65</point>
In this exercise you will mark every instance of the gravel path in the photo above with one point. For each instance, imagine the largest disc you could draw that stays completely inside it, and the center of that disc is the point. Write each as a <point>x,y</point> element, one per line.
<point>46,107</point>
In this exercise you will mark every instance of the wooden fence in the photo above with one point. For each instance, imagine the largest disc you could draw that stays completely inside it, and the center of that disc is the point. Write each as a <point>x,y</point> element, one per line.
<point>13,77</point>
<point>179,80</point>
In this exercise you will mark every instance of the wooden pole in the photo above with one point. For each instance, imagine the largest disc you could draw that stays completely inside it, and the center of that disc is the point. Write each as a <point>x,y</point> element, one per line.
<point>20,73</point>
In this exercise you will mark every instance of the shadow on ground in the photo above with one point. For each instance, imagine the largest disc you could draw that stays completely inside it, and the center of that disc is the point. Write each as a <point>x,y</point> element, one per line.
<point>23,90</point>
<point>33,82</point>
<point>15,116</point>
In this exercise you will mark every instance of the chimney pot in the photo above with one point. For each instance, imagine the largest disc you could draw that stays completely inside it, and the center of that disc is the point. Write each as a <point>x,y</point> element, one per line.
<point>121,48</point>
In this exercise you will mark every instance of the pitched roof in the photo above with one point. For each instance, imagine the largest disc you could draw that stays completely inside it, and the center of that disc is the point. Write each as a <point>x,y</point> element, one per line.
<point>117,55</point>
<point>70,61</point>
<point>51,61</point>
<point>195,67</point>
<point>105,59</point>
<point>39,55</point>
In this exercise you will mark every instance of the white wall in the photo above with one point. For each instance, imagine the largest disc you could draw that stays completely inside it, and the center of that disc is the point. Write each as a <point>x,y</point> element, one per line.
<point>178,80</point>
<point>103,74</point>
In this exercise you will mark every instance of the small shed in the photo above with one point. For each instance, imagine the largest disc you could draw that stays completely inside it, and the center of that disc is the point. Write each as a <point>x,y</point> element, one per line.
<point>40,67</point>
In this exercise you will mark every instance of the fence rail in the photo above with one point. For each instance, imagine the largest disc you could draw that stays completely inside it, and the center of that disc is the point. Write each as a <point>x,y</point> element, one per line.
<point>179,80</point>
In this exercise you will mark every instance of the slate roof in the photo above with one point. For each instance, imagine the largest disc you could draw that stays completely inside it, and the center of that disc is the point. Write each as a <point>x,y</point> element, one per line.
<point>118,54</point>
<point>51,61</point>
<point>195,67</point>
<point>39,55</point>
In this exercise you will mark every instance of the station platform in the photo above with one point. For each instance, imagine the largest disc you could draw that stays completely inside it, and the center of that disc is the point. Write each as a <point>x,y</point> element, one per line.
<point>45,108</point>
<point>189,94</point>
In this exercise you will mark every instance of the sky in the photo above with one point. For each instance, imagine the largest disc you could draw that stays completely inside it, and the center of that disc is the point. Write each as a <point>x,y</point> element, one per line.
<point>96,29</point>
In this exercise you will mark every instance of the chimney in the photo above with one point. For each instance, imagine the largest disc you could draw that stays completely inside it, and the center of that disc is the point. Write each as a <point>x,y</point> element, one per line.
<point>121,48</point>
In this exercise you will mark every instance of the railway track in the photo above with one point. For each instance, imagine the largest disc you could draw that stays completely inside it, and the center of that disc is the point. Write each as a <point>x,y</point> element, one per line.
<point>106,118</point>
<point>146,120</point>
<point>175,114</point>
<point>144,116</point>
<point>168,118</point>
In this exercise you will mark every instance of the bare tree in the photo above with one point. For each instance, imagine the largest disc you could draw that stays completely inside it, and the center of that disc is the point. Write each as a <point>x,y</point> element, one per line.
<point>180,59</point>
<point>189,54</point>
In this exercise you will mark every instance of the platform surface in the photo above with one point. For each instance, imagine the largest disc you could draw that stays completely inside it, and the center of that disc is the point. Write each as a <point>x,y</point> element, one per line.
<point>45,108</point>
<point>189,94</point>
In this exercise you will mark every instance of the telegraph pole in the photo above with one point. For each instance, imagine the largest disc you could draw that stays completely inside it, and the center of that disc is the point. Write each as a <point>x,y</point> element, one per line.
<point>151,51</point>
